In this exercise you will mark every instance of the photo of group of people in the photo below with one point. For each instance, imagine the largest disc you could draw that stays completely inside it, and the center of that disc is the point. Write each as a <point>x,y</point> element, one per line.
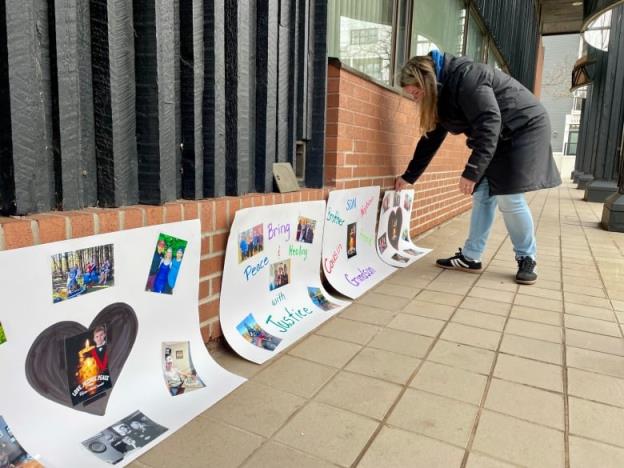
<point>305,230</point>
<point>12,455</point>
<point>86,356</point>
<point>252,332</point>
<point>178,371</point>
<point>166,263</point>
<point>320,300</point>
<point>2,334</point>
<point>131,433</point>
<point>82,271</point>
<point>400,258</point>
<point>250,242</point>
<point>414,252</point>
<point>280,274</point>
<point>382,243</point>
<point>351,240</point>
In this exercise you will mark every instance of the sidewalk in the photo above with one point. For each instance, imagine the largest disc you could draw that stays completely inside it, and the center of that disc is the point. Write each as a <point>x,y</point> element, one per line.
<point>442,368</point>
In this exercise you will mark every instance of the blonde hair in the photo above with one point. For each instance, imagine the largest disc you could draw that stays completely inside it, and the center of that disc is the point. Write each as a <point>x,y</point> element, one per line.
<point>420,72</point>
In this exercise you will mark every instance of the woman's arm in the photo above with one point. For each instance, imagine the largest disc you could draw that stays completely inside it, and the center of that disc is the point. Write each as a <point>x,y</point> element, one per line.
<point>425,150</point>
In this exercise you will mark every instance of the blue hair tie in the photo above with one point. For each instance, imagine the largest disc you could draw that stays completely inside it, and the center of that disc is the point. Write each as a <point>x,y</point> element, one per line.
<point>438,62</point>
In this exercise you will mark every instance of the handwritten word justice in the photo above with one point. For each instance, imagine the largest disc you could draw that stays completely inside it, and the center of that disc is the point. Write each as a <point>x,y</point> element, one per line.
<point>330,262</point>
<point>252,270</point>
<point>290,319</point>
<point>362,276</point>
<point>351,203</point>
<point>334,217</point>
<point>364,208</point>
<point>280,229</point>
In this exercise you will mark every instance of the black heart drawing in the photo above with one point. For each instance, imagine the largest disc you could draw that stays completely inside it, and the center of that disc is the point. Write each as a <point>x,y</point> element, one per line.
<point>395,221</point>
<point>46,367</point>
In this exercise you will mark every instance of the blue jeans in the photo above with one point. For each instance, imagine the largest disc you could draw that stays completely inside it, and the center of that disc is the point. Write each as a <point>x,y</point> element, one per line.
<point>516,215</point>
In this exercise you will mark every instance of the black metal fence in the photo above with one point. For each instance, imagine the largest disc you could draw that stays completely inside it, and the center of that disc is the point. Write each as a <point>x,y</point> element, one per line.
<point>514,26</point>
<point>116,102</point>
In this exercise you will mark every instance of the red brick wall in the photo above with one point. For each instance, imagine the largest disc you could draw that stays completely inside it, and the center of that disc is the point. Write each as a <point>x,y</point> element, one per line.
<point>216,216</point>
<point>371,136</point>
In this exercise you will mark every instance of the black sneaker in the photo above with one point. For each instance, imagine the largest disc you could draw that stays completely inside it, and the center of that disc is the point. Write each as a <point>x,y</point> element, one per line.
<point>459,262</point>
<point>526,271</point>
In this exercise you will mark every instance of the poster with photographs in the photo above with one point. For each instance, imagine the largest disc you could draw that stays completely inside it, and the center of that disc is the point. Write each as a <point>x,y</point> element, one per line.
<point>3,337</point>
<point>82,271</point>
<point>394,244</point>
<point>86,356</point>
<point>55,350</point>
<point>131,433</point>
<point>12,454</point>
<point>349,258</point>
<point>251,331</point>
<point>178,370</point>
<point>265,305</point>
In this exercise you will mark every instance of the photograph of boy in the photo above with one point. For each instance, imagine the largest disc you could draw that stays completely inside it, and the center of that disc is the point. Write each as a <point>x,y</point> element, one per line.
<point>250,242</point>
<point>178,371</point>
<point>393,228</point>
<point>81,272</point>
<point>280,274</point>
<point>351,240</point>
<point>2,334</point>
<point>407,203</point>
<point>131,433</point>
<point>252,332</point>
<point>397,199</point>
<point>405,235</point>
<point>87,365</point>
<point>305,230</point>
<point>166,263</point>
<point>12,455</point>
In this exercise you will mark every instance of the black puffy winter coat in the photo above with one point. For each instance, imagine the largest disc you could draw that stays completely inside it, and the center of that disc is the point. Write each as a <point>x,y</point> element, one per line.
<point>508,129</point>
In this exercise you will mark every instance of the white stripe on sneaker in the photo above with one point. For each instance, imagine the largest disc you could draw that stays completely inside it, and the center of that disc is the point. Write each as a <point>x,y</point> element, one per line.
<point>462,264</point>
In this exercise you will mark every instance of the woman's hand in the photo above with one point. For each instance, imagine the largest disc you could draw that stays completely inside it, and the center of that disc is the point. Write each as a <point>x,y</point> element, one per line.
<point>400,183</point>
<point>466,186</point>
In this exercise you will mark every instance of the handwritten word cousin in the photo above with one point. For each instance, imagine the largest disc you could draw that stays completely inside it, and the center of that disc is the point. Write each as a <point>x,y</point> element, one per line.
<point>329,263</point>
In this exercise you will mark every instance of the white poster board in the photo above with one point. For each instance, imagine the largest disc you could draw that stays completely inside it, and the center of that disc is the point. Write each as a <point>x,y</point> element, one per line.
<point>88,285</point>
<point>350,261</point>
<point>394,243</point>
<point>271,293</point>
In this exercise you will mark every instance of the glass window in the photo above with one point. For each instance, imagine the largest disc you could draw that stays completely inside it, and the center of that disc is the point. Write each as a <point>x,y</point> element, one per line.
<point>475,40</point>
<point>360,35</point>
<point>438,25</point>
<point>492,58</point>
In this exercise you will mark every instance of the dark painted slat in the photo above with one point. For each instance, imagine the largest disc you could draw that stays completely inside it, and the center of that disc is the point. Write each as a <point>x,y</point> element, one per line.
<point>214,102</point>
<point>283,80</point>
<point>318,76</point>
<point>30,91</point>
<point>155,100</point>
<point>75,96</point>
<point>293,83</point>
<point>177,101</point>
<point>231,93</point>
<point>266,92</point>
<point>246,97</point>
<point>112,58</point>
<point>192,86</point>
<point>7,183</point>
<point>303,32</point>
